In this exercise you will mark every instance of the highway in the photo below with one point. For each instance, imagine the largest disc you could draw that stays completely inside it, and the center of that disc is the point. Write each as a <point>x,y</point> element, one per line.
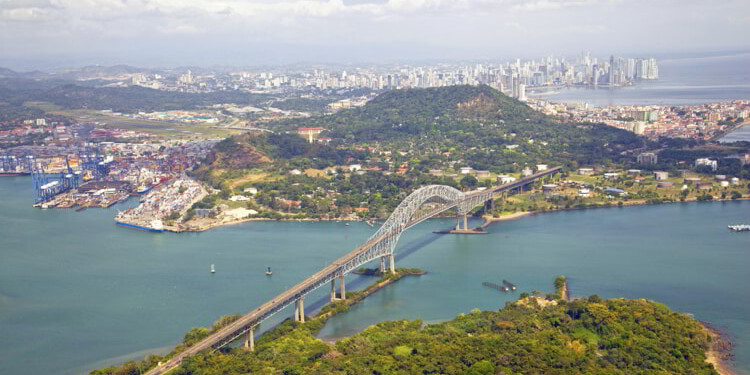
<point>248,321</point>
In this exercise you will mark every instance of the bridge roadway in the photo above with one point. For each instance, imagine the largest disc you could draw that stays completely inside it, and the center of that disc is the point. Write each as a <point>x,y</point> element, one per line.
<point>338,268</point>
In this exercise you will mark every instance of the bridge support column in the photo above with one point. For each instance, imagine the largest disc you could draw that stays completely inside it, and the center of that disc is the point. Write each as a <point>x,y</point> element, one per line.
<point>382,264</point>
<point>296,311</point>
<point>343,286</point>
<point>392,263</point>
<point>458,222</point>
<point>333,290</point>
<point>302,309</point>
<point>250,339</point>
<point>466,222</point>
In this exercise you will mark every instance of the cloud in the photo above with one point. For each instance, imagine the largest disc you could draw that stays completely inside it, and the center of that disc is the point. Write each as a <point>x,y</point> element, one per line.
<point>452,28</point>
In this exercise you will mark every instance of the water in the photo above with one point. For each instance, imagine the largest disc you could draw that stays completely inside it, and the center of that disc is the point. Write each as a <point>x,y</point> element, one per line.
<point>684,81</point>
<point>77,292</point>
<point>741,134</point>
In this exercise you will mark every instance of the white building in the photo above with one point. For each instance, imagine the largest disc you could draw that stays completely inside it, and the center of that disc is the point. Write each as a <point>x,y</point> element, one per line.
<point>706,161</point>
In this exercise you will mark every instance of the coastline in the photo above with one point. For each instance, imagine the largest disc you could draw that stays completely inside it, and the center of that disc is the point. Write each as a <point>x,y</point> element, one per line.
<point>719,351</point>
<point>517,215</point>
<point>488,220</point>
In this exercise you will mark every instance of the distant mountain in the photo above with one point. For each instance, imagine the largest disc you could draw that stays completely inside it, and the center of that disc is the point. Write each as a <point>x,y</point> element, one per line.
<point>98,71</point>
<point>7,73</point>
<point>121,99</point>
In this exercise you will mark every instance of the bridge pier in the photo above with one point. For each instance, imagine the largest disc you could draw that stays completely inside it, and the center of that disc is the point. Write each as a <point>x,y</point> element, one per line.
<point>299,310</point>
<point>250,339</point>
<point>488,206</point>
<point>392,262</point>
<point>342,285</point>
<point>466,222</point>
<point>382,265</point>
<point>333,290</point>
<point>458,222</point>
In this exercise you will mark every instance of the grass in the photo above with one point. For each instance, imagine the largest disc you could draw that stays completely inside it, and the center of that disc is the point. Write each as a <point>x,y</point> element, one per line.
<point>163,129</point>
<point>252,176</point>
<point>587,336</point>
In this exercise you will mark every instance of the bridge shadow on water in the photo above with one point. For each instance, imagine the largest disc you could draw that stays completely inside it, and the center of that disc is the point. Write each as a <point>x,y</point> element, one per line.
<point>361,281</point>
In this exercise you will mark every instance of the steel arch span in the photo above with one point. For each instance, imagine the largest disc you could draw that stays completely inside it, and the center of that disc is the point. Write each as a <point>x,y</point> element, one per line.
<point>406,215</point>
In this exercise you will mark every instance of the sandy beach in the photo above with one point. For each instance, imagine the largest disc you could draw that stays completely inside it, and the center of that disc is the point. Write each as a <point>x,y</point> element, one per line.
<point>718,353</point>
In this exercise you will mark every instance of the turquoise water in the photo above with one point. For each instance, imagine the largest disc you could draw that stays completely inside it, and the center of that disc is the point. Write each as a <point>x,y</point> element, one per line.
<point>78,292</point>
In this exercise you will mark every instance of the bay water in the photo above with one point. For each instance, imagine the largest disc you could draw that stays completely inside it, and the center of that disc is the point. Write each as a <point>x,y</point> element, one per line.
<point>682,81</point>
<point>78,292</point>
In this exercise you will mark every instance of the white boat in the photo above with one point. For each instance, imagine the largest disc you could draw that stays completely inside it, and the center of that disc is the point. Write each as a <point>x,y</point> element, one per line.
<point>739,227</point>
<point>213,269</point>
<point>268,272</point>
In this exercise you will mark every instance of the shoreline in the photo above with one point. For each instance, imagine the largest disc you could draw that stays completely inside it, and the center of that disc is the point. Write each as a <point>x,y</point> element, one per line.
<point>488,220</point>
<point>719,351</point>
<point>517,215</point>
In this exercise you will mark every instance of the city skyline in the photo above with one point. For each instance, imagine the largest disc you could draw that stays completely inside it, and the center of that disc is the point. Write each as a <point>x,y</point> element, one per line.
<point>68,33</point>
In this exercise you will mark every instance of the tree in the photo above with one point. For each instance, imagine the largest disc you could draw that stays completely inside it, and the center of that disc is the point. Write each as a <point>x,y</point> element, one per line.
<point>469,182</point>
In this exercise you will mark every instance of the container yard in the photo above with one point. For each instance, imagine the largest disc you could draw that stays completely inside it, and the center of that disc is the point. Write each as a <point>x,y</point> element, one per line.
<point>163,206</point>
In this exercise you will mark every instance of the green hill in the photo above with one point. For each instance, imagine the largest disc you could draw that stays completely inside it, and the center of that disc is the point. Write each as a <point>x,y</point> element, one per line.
<point>475,121</point>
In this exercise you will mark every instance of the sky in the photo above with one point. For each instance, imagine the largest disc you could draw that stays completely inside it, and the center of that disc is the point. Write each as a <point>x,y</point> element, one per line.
<point>49,34</point>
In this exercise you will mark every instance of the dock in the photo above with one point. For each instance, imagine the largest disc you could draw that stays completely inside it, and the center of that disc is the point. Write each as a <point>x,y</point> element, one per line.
<point>461,231</point>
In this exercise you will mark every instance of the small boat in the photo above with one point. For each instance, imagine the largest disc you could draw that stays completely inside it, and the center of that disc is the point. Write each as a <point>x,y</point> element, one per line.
<point>213,269</point>
<point>347,224</point>
<point>739,227</point>
<point>268,272</point>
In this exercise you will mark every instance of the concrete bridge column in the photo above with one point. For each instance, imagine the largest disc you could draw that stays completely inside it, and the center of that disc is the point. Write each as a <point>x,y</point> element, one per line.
<point>250,340</point>
<point>296,311</point>
<point>302,309</point>
<point>382,264</point>
<point>392,263</point>
<point>333,290</point>
<point>458,222</point>
<point>466,222</point>
<point>343,286</point>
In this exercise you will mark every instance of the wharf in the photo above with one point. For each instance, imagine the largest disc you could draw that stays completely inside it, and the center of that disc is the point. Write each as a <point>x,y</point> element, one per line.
<point>461,231</point>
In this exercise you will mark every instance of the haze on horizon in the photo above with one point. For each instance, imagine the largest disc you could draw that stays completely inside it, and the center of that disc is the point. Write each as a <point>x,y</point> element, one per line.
<point>55,34</point>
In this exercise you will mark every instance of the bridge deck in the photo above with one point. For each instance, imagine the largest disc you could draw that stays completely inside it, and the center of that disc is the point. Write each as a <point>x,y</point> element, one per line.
<point>234,330</point>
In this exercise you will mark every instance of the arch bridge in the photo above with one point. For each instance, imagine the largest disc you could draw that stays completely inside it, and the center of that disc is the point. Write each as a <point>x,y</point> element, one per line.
<point>381,245</point>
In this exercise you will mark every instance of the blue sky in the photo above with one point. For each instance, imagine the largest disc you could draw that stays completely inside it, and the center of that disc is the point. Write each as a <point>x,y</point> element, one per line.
<point>59,33</point>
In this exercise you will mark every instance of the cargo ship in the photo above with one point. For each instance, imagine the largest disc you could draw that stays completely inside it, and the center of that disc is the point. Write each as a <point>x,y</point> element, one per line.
<point>156,226</point>
<point>143,189</point>
<point>14,174</point>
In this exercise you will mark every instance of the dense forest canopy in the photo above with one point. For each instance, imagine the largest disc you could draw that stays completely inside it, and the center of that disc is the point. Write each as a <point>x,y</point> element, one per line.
<point>586,336</point>
<point>489,129</point>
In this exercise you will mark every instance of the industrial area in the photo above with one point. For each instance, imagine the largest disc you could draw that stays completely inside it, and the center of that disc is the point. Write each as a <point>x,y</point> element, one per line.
<point>103,174</point>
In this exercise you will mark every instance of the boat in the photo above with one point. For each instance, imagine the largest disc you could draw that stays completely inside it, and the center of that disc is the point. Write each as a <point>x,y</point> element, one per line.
<point>268,272</point>
<point>347,224</point>
<point>739,227</point>
<point>143,189</point>
<point>213,269</point>
<point>509,284</point>
<point>81,208</point>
